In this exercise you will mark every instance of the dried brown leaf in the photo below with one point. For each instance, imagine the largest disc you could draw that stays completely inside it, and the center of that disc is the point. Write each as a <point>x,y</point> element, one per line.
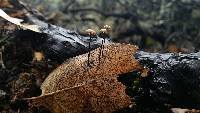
<point>100,96</point>
<point>76,87</point>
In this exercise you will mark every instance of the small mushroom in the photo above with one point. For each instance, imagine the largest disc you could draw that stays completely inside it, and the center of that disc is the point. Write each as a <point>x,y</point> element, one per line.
<point>107,27</point>
<point>104,33</point>
<point>91,33</point>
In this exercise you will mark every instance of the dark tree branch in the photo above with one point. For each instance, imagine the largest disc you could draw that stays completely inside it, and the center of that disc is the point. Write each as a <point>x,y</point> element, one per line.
<point>173,79</point>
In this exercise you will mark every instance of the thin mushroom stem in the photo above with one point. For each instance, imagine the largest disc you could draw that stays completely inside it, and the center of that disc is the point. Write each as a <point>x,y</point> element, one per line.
<point>101,47</point>
<point>89,52</point>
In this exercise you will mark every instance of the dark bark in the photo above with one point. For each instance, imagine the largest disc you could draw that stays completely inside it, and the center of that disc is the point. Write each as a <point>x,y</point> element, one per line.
<point>58,43</point>
<point>173,79</point>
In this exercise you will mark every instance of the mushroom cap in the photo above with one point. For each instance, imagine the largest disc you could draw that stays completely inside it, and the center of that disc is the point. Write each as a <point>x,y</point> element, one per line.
<point>103,31</point>
<point>107,27</point>
<point>90,32</point>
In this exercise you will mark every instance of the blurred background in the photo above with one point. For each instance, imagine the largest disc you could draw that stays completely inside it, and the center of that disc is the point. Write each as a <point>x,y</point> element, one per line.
<point>154,25</point>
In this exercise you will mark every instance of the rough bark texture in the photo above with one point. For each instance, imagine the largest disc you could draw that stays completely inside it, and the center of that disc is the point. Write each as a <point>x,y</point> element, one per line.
<point>56,42</point>
<point>173,78</point>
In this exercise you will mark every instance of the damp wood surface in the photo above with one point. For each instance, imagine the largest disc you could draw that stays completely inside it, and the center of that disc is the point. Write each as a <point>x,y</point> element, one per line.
<point>173,78</point>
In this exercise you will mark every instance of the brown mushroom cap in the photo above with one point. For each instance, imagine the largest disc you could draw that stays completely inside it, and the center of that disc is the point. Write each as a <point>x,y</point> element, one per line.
<point>107,27</point>
<point>103,31</point>
<point>91,32</point>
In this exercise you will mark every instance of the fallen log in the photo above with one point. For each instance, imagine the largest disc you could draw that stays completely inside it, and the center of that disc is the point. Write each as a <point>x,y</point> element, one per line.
<point>173,79</point>
<point>56,42</point>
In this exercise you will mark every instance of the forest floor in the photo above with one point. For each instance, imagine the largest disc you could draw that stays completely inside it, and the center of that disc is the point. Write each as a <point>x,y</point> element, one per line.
<point>21,74</point>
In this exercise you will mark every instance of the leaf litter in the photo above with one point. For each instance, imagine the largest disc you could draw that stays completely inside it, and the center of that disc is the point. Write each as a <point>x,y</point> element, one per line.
<point>76,87</point>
